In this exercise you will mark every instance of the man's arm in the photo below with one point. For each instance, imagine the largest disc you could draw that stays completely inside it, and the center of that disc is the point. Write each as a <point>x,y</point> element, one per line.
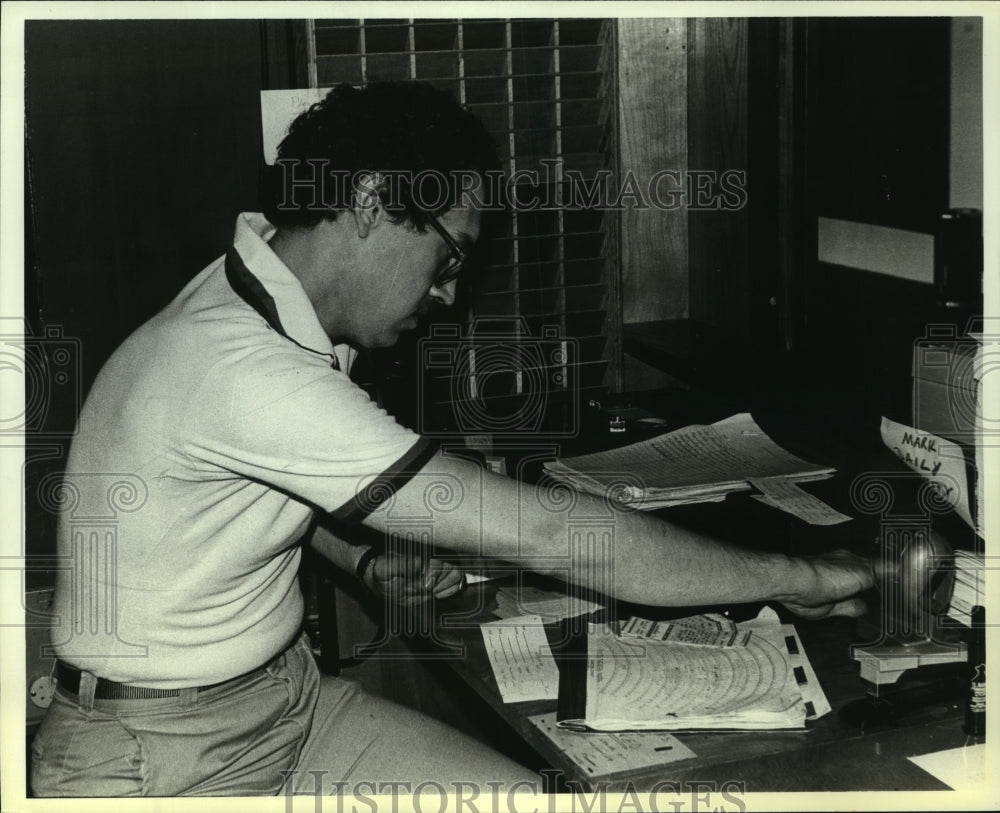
<point>646,560</point>
<point>404,578</point>
<point>342,553</point>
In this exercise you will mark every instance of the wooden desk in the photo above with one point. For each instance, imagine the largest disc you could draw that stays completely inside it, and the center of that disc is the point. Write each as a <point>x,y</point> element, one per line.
<point>833,753</point>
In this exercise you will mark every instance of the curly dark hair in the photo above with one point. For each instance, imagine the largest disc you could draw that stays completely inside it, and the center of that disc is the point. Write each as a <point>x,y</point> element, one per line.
<point>404,131</point>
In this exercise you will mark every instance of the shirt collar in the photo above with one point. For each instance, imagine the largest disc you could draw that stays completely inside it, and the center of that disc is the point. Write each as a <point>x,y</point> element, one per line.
<point>297,315</point>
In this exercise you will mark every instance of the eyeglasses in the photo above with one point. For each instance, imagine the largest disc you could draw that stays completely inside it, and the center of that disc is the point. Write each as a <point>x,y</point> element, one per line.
<point>458,256</point>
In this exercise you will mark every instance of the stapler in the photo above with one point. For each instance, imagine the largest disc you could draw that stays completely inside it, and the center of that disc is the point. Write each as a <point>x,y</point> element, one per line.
<point>915,576</point>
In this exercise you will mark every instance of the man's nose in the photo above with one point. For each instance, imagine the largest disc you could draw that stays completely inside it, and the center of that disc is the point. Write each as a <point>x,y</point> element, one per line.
<point>445,294</point>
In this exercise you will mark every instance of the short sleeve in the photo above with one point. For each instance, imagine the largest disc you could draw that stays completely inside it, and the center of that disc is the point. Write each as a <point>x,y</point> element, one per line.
<point>290,421</point>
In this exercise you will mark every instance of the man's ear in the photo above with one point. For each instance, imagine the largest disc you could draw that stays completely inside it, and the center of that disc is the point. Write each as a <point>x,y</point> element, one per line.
<point>366,205</point>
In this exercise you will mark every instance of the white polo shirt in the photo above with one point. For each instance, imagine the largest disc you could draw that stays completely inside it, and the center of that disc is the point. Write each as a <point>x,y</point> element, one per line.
<point>225,435</point>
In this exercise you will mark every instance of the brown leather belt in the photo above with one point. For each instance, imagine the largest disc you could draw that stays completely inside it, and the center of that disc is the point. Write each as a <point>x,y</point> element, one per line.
<point>69,679</point>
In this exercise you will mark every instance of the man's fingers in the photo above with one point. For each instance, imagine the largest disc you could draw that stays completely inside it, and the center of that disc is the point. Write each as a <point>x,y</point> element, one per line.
<point>444,579</point>
<point>853,607</point>
<point>401,565</point>
<point>440,592</point>
<point>412,578</point>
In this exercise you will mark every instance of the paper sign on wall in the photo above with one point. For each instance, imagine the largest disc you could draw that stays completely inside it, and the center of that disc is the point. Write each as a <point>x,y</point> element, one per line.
<point>941,461</point>
<point>278,108</point>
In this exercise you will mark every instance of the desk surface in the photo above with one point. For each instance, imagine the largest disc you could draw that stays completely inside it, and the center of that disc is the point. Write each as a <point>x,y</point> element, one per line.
<point>830,755</point>
<point>833,753</point>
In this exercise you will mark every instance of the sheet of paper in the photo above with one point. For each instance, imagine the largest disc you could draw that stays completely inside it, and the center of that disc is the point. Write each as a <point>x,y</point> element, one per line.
<point>475,576</point>
<point>939,460</point>
<point>607,753</point>
<point>277,110</point>
<point>958,768</point>
<point>980,452</point>
<point>550,605</point>
<point>521,659</point>
<point>782,493</point>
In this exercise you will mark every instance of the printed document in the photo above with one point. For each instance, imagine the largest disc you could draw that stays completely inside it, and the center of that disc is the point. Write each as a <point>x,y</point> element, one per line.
<point>694,464</point>
<point>643,684</point>
<point>607,753</point>
<point>785,495</point>
<point>521,659</point>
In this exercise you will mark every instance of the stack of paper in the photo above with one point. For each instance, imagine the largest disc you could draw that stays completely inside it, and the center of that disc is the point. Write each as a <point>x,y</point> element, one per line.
<point>550,606</point>
<point>643,684</point>
<point>694,464</point>
<point>970,586</point>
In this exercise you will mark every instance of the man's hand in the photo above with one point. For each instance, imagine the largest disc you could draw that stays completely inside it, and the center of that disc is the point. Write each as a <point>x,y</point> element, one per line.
<point>409,579</point>
<point>836,579</point>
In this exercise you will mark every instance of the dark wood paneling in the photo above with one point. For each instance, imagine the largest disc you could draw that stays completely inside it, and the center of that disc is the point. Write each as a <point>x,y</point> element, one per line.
<point>285,44</point>
<point>795,229</point>
<point>858,349</point>
<point>717,140</point>
<point>872,124</point>
<point>652,134</point>
<point>143,143</point>
<point>879,115</point>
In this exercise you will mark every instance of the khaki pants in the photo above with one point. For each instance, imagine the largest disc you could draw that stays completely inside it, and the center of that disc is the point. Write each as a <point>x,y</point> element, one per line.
<point>283,729</point>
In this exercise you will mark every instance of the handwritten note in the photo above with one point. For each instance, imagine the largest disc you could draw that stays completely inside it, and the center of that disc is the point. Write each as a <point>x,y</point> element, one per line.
<point>277,110</point>
<point>521,659</point>
<point>940,461</point>
<point>785,495</point>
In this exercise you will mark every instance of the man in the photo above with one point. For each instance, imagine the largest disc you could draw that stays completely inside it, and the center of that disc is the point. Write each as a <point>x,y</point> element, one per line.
<point>230,423</point>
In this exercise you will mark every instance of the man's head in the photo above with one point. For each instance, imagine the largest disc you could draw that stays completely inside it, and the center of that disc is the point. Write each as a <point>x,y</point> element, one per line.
<point>369,194</point>
<point>405,131</point>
